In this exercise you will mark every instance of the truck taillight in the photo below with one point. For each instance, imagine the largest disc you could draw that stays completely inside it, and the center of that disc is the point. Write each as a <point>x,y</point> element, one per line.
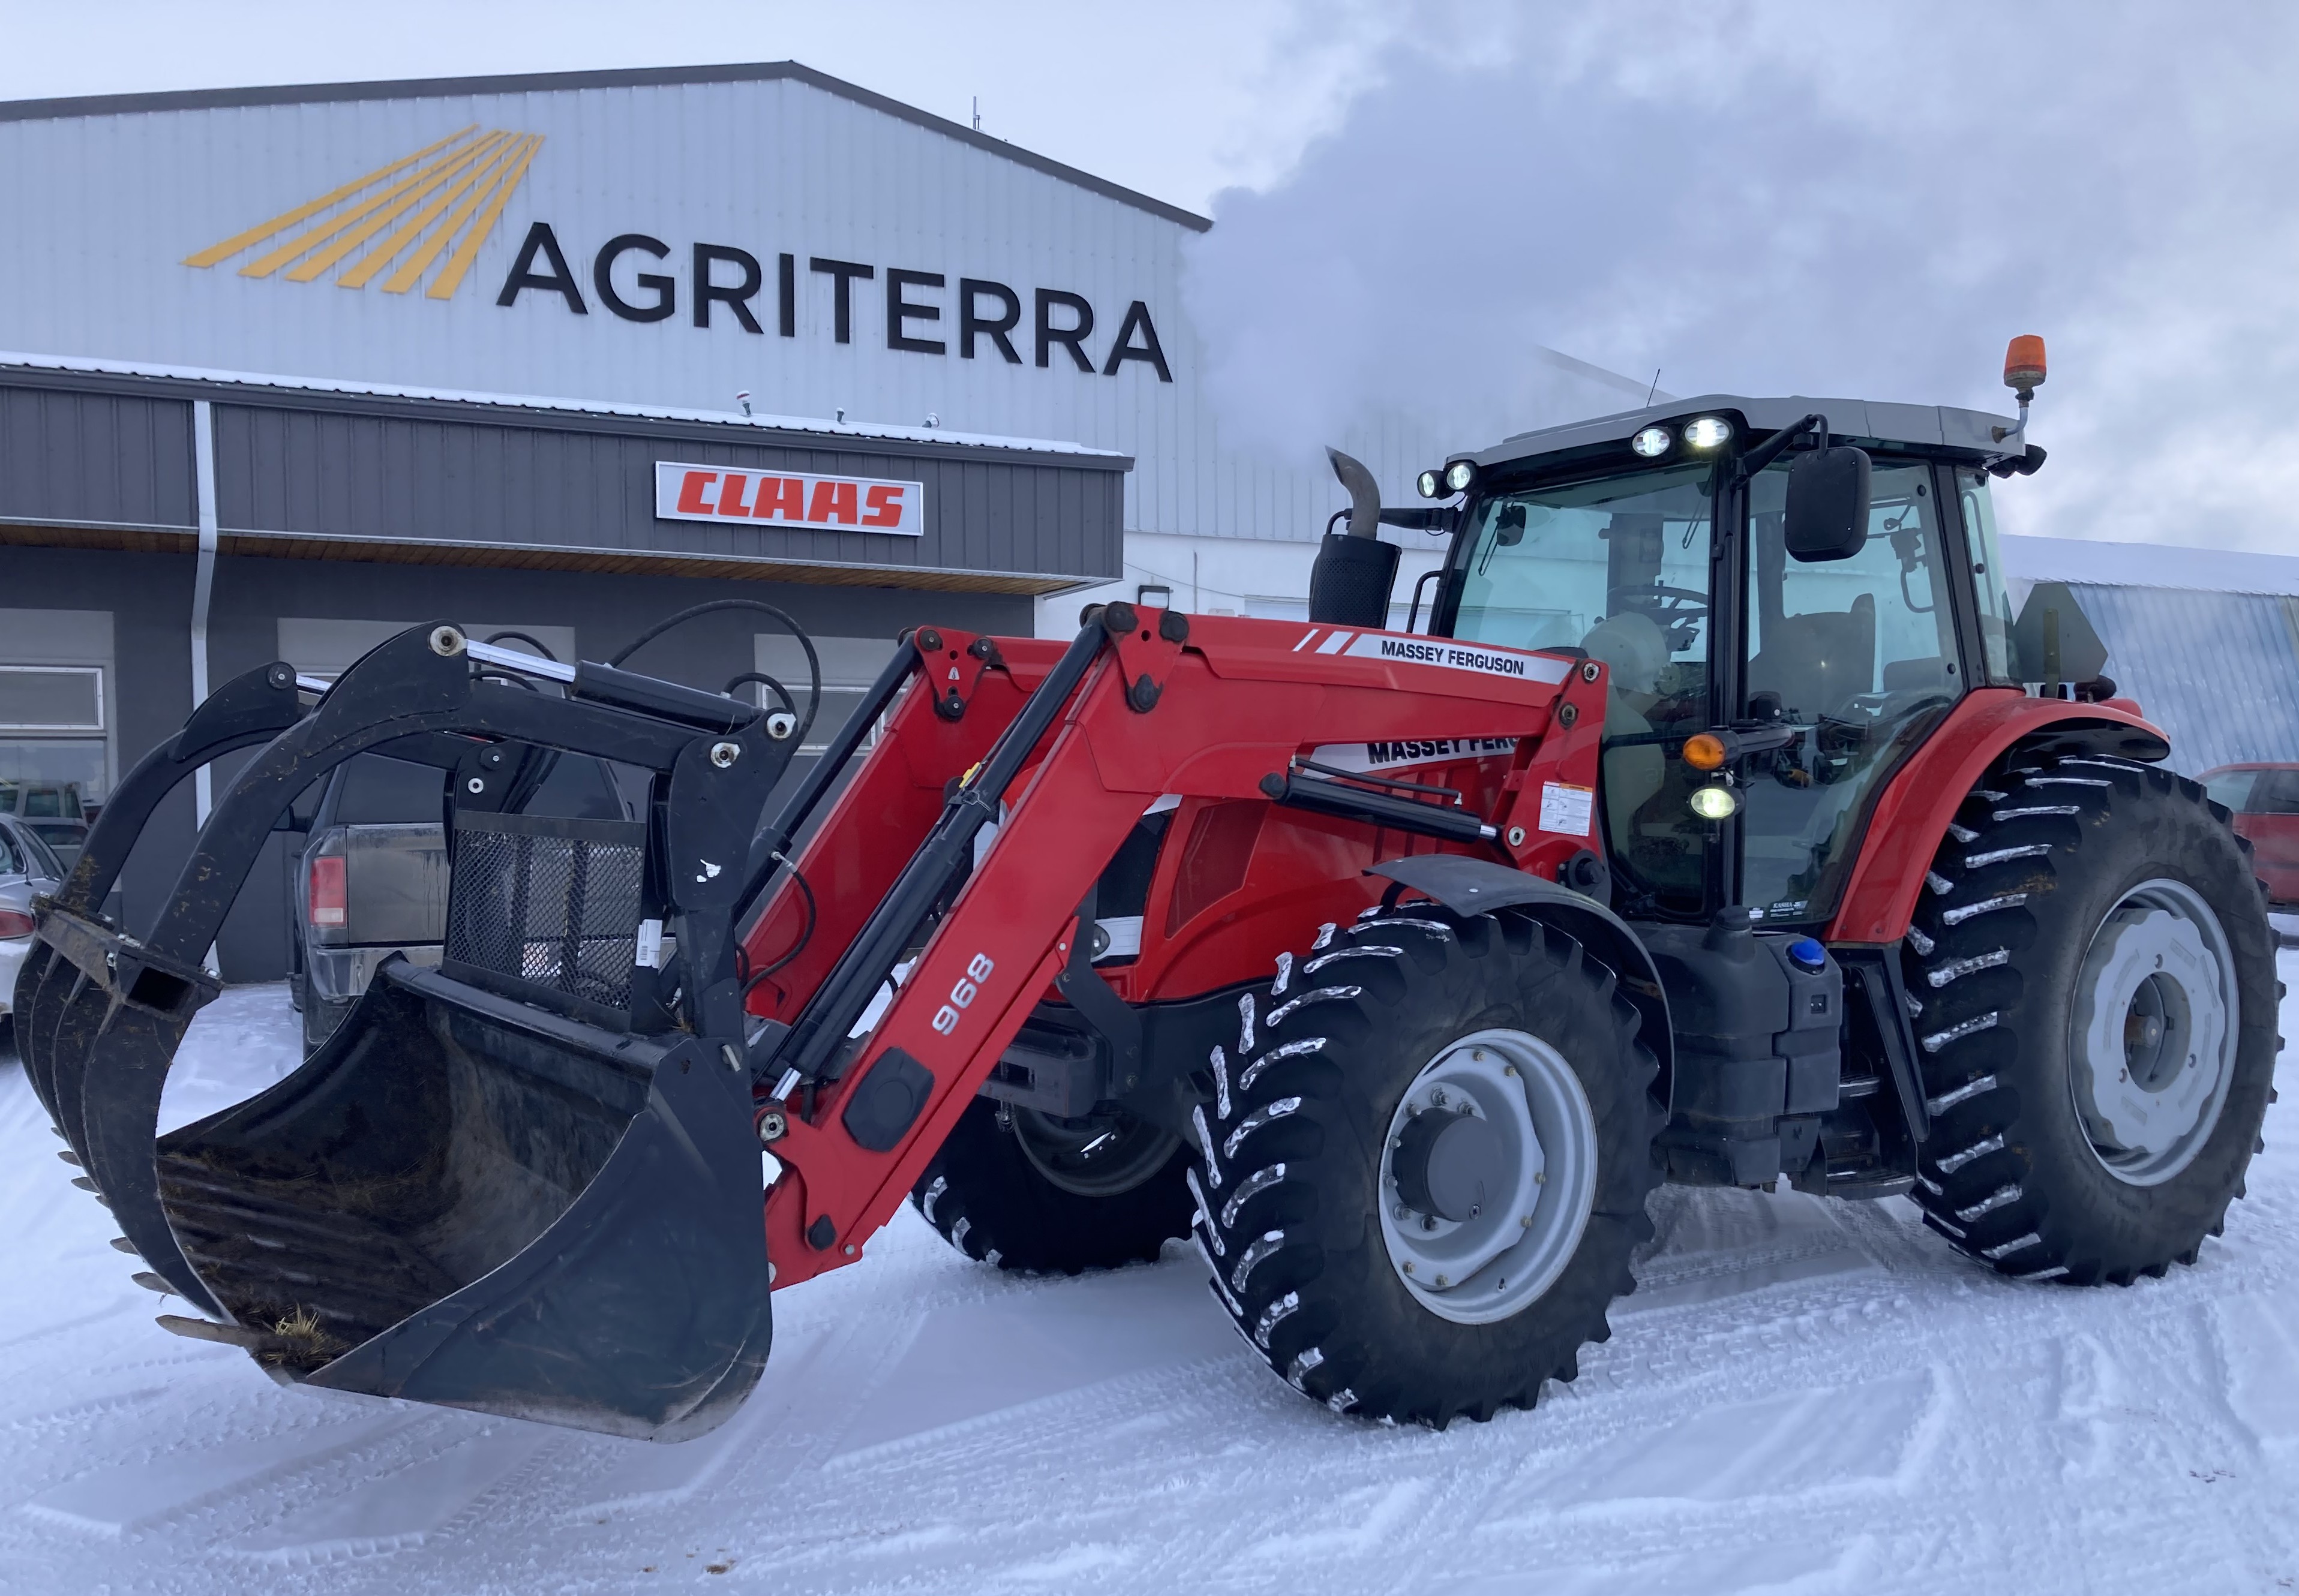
<point>14,923</point>
<point>327,895</point>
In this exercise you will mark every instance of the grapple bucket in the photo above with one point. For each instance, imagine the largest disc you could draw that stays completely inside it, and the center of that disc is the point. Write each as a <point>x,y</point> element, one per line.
<point>525,1182</point>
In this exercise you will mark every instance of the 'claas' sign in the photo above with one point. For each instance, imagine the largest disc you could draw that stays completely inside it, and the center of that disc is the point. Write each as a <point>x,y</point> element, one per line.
<point>683,493</point>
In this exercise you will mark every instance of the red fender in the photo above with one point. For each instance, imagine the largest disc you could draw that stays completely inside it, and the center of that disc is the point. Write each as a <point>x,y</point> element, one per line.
<point>1913,815</point>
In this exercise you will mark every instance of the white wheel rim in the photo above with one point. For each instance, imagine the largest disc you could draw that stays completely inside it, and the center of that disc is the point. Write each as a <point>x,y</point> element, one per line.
<point>2152,1041</point>
<point>1490,1267</point>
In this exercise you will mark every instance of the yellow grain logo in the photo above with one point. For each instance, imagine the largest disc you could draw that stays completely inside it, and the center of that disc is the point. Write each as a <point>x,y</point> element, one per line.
<point>446,205</point>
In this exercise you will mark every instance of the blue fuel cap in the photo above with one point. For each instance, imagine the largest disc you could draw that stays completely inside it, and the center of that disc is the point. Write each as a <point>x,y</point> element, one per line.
<point>1805,953</point>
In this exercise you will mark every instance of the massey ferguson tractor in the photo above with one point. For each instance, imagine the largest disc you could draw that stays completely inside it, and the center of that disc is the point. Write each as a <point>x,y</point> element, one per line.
<point>1714,821</point>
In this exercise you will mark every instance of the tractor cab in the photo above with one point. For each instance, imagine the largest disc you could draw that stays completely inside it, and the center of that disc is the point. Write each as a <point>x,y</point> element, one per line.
<point>1660,544</point>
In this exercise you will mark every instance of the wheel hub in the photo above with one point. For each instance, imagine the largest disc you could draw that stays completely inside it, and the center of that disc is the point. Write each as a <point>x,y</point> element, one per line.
<point>2152,1038</point>
<point>1098,1155</point>
<point>1489,1172</point>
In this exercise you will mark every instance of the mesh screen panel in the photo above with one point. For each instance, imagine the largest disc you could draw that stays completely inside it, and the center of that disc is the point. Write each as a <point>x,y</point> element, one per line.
<point>552,903</point>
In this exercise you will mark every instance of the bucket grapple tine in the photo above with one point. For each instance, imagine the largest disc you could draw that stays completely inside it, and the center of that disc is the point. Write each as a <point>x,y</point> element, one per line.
<point>58,1011</point>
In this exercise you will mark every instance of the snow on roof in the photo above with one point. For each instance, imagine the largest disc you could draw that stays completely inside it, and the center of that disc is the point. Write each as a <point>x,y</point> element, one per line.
<point>2028,559</point>
<point>536,402</point>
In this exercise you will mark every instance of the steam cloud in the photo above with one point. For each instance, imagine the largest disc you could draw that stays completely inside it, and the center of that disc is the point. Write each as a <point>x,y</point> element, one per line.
<point>1764,198</point>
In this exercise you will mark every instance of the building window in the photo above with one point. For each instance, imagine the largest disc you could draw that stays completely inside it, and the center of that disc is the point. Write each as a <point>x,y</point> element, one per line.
<point>849,665</point>
<point>57,721</point>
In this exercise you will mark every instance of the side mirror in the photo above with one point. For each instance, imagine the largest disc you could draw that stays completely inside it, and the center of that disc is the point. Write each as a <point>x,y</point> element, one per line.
<point>1826,514</point>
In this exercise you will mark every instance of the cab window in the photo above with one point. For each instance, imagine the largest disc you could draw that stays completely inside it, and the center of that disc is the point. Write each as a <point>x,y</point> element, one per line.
<point>1859,657</point>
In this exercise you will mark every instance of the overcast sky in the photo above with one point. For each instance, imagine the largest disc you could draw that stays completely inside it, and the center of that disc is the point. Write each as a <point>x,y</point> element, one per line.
<point>1412,199</point>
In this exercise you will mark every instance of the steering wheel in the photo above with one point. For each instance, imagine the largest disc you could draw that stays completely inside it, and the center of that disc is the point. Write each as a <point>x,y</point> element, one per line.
<point>1676,603</point>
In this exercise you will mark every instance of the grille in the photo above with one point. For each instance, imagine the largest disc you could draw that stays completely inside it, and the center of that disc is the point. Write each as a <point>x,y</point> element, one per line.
<point>549,903</point>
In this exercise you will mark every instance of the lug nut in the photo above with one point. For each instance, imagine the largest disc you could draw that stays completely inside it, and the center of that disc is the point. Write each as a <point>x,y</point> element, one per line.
<point>1442,1280</point>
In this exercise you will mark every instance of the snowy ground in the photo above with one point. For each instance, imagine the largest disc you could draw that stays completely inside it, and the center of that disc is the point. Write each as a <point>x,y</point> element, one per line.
<point>1800,1398</point>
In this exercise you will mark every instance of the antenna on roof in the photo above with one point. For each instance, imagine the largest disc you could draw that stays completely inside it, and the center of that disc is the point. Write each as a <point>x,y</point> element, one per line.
<point>1655,388</point>
<point>977,113</point>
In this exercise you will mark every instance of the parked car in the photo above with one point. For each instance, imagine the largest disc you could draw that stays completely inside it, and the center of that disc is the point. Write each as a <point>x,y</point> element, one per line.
<point>2265,799</point>
<point>28,869</point>
<point>54,810</point>
<point>373,876</point>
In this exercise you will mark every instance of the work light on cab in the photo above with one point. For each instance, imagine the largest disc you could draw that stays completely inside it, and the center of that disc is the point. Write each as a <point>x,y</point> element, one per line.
<point>1430,486</point>
<point>1707,432</point>
<point>1458,475</point>
<point>1715,802</point>
<point>1652,442</point>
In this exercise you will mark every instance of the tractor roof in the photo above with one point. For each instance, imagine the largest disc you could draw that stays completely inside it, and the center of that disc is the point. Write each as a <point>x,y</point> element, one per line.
<point>1924,425</point>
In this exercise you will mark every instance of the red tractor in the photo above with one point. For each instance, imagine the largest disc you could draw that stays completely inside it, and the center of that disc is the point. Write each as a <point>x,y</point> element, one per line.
<point>1719,828</point>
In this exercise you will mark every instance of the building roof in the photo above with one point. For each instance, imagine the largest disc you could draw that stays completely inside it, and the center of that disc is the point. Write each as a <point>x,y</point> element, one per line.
<point>2149,564</point>
<point>527,82</point>
<point>814,426</point>
<point>1929,426</point>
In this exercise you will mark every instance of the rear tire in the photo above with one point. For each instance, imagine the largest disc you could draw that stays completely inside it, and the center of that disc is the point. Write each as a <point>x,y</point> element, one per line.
<point>2094,982</point>
<point>1410,1019</point>
<point>1019,1196</point>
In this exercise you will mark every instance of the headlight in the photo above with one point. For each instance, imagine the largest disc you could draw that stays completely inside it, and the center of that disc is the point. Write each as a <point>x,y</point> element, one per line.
<point>1715,802</point>
<point>1652,442</point>
<point>1707,432</point>
<point>1430,486</point>
<point>1458,475</point>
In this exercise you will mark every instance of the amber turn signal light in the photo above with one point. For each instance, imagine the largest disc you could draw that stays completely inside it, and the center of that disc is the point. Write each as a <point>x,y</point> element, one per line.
<point>1704,750</point>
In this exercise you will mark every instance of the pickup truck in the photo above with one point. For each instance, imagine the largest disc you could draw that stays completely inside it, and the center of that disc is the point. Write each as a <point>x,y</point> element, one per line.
<point>373,876</point>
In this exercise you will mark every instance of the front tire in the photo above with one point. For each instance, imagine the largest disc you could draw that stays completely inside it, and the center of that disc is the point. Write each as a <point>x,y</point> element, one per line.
<point>1427,1162</point>
<point>2095,983</point>
<point>1030,1193</point>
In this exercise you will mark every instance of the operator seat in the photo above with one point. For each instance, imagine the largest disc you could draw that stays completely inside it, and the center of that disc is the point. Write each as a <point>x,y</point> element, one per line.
<point>1818,663</point>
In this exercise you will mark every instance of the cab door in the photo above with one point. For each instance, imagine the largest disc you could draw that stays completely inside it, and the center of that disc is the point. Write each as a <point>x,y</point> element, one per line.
<point>1859,658</point>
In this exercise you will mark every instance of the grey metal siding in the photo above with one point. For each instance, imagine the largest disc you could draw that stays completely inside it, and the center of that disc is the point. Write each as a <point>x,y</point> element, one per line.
<point>2218,672</point>
<point>95,459</point>
<point>377,477</point>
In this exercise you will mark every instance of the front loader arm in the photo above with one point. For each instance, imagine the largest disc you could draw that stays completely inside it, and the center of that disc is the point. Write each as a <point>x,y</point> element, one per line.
<point>1128,714</point>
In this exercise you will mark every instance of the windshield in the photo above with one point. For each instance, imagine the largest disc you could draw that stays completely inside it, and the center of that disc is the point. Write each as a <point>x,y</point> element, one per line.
<point>45,860</point>
<point>1618,568</point>
<point>1619,562</point>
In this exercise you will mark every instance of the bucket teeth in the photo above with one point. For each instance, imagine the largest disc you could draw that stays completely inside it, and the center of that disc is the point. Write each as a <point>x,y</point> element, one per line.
<point>200,1329</point>
<point>151,1282</point>
<point>84,1183</point>
<point>69,1157</point>
<point>121,1243</point>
